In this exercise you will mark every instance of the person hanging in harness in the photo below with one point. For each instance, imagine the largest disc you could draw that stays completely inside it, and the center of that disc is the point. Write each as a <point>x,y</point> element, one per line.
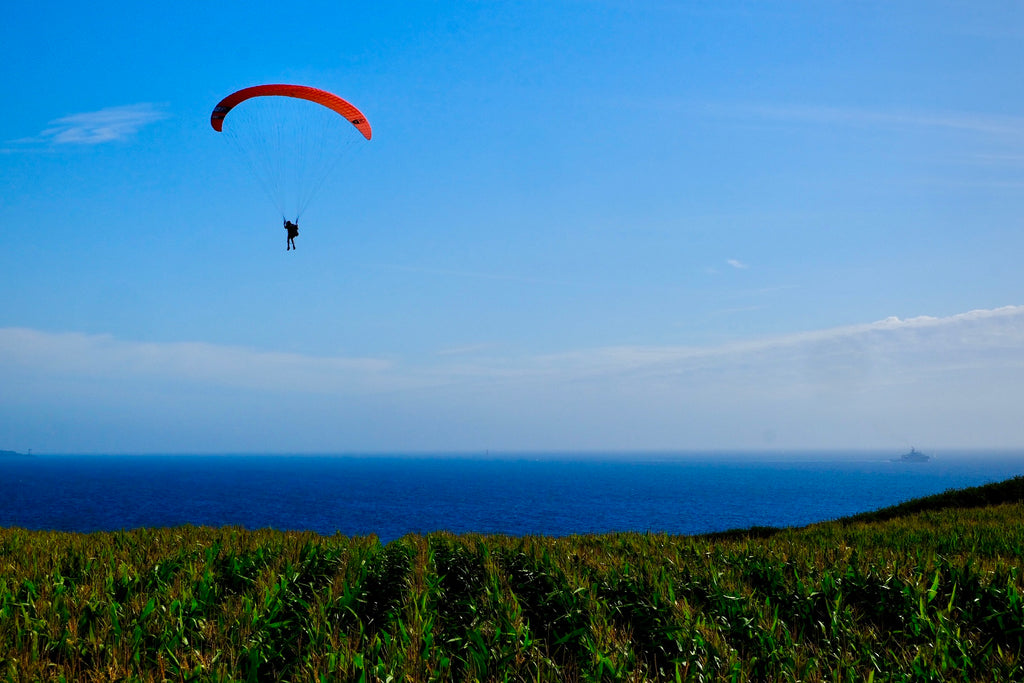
<point>293,232</point>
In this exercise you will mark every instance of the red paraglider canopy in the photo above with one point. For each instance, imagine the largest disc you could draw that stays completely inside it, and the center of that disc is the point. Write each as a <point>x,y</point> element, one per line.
<point>302,92</point>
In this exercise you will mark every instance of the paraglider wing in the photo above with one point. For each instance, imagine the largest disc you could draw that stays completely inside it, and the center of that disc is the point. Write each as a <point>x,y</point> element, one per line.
<point>291,137</point>
<point>302,92</point>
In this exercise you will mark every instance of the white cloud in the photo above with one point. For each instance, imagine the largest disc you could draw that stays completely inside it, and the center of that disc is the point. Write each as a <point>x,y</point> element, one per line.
<point>739,265</point>
<point>979,335</point>
<point>102,357</point>
<point>992,338</point>
<point>978,332</point>
<point>96,127</point>
<point>956,381</point>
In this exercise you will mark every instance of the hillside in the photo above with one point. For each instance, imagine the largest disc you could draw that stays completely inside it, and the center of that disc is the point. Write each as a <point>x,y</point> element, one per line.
<point>929,590</point>
<point>999,493</point>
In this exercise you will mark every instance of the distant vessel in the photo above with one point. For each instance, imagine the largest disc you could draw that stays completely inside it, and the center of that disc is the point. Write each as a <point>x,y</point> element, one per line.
<point>914,456</point>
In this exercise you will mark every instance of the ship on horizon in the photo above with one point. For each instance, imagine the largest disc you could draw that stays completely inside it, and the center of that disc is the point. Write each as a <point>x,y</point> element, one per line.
<point>913,456</point>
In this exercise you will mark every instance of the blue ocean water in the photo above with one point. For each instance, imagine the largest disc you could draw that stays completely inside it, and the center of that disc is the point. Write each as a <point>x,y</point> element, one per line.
<point>517,495</point>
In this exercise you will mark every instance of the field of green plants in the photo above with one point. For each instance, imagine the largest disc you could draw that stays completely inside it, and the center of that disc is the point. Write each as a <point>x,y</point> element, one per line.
<point>930,594</point>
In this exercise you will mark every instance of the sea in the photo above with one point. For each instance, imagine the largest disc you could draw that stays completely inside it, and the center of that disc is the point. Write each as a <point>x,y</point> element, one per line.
<point>555,494</point>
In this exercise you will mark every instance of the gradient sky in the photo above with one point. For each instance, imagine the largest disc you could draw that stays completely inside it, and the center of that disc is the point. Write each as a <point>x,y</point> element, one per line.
<point>580,225</point>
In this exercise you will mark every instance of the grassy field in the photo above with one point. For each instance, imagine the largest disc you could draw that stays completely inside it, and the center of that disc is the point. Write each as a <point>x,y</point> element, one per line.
<point>928,591</point>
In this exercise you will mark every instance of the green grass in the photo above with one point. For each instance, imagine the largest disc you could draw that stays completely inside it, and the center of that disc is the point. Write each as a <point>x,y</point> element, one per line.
<point>927,591</point>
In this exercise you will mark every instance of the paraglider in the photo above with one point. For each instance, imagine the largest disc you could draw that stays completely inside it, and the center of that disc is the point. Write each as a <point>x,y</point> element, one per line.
<point>293,232</point>
<point>291,137</point>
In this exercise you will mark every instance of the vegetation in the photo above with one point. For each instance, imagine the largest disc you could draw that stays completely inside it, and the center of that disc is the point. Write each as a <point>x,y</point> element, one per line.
<point>932,592</point>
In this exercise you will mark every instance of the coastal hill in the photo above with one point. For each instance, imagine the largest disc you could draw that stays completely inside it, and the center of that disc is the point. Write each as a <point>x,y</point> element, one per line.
<point>13,454</point>
<point>986,495</point>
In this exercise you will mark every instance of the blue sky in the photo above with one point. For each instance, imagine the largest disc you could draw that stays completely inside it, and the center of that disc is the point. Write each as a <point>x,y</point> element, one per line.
<point>579,225</point>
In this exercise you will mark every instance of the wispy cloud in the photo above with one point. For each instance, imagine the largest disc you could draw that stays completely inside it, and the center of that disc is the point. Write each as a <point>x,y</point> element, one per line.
<point>739,265</point>
<point>958,379</point>
<point>88,357</point>
<point>976,334</point>
<point>96,127</point>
